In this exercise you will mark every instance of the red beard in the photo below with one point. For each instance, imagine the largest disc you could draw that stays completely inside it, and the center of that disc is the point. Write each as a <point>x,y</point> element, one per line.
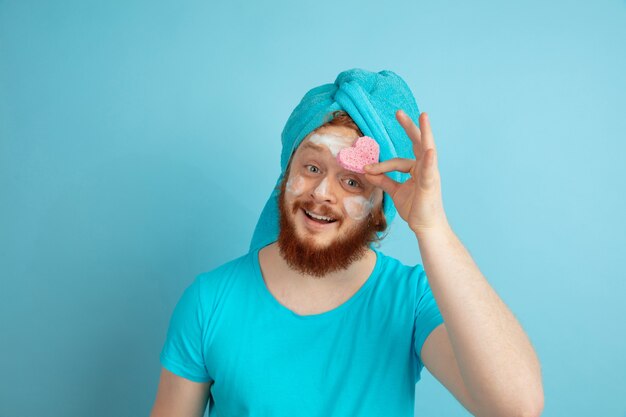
<point>304,256</point>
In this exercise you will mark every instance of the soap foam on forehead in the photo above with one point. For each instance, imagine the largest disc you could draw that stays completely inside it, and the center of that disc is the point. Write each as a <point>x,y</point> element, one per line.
<point>333,142</point>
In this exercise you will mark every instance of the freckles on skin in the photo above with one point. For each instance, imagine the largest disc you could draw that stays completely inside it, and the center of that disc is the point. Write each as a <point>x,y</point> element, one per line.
<point>332,142</point>
<point>295,185</point>
<point>358,207</point>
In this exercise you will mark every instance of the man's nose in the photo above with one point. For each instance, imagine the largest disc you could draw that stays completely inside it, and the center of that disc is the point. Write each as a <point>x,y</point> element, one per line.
<point>324,191</point>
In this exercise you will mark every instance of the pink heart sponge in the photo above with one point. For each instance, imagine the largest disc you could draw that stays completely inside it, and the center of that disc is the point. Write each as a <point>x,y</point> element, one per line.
<point>363,151</point>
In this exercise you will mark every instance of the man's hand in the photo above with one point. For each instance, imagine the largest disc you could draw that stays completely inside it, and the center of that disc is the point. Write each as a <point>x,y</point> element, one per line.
<point>418,199</point>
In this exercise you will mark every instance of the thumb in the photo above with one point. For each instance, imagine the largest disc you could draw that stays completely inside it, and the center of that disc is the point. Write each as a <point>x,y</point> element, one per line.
<point>383,181</point>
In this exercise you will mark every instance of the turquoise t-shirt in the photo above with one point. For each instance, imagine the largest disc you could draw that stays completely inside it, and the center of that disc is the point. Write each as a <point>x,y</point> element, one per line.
<point>359,359</point>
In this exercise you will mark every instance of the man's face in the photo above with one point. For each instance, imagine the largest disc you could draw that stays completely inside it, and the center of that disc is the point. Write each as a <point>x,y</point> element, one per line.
<point>328,214</point>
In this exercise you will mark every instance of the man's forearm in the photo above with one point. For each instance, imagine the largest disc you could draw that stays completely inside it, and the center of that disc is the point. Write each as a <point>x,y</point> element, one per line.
<point>496,359</point>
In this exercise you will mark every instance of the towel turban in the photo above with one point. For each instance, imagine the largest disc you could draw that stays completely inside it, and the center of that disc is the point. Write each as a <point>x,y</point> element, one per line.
<point>371,99</point>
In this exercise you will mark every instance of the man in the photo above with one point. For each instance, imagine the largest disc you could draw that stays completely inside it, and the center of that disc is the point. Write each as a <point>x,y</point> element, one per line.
<point>314,320</point>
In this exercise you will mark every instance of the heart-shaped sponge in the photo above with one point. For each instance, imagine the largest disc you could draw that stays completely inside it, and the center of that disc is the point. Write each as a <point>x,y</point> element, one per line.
<point>363,151</point>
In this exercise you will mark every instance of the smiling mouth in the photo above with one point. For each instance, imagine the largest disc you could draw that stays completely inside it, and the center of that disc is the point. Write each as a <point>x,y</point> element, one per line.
<point>319,218</point>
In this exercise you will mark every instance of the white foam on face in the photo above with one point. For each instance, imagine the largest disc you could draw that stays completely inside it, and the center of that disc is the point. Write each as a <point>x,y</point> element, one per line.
<point>322,188</point>
<point>295,185</point>
<point>358,207</point>
<point>332,142</point>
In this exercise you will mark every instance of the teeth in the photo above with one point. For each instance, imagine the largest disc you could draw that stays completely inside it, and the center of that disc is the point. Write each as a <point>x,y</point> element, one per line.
<point>317,216</point>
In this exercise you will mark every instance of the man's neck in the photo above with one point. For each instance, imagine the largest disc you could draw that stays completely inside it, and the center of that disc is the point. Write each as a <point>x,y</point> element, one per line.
<point>276,265</point>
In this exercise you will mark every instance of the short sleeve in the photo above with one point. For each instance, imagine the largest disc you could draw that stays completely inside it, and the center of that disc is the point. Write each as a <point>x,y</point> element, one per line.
<point>427,316</point>
<point>183,352</point>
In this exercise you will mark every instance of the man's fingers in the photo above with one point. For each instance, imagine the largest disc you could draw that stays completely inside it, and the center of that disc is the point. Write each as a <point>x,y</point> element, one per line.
<point>394,164</point>
<point>381,180</point>
<point>428,141</point>
<point>412,131</point>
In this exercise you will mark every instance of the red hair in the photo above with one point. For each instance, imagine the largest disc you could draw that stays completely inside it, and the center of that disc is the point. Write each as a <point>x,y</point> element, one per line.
<point>341,118</point>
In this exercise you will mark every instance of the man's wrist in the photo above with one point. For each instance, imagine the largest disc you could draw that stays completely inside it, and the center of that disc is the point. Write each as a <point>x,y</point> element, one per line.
<point>442,228</point>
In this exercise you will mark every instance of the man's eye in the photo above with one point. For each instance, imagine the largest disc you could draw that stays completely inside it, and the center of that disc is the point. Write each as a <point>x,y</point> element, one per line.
<point>353,183</point>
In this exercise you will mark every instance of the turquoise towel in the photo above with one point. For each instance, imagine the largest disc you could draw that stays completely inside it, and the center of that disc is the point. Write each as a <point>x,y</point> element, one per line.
<point>371,99</point>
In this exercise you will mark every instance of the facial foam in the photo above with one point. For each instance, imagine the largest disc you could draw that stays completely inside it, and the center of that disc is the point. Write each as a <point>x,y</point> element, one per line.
<point>332,142</point>
<point>358,207</point>
<point>295,185</point>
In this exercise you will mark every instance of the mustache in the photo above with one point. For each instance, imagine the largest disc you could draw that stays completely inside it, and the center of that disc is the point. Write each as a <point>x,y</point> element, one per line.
<point>322,210</point>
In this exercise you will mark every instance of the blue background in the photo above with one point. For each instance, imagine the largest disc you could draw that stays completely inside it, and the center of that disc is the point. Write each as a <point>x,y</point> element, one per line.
<point>139,141</point>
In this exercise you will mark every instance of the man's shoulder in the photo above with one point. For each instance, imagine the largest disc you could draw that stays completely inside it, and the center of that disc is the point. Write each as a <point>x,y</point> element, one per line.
<point>402,281</point>
<point>221,282</point>
<point>243,264</point>
<point>396,269</point>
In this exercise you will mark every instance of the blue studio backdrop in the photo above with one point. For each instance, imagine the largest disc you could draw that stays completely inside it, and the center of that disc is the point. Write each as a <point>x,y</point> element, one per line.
<point>139,141</point>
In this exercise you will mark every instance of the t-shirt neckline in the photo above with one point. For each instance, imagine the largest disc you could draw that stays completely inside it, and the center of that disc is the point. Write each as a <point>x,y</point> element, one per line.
<point>258,277</point>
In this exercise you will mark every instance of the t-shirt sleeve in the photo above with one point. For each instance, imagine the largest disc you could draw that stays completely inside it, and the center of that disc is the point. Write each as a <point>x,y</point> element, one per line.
<point>183,352</point>
<point>427,315</point>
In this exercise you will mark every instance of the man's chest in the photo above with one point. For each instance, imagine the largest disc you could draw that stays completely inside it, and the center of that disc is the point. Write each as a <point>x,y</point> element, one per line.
<point>272,362</point>
<point>269,368</point>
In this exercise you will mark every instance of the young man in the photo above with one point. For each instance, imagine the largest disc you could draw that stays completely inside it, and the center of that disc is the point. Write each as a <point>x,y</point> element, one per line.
<point>314,321</point>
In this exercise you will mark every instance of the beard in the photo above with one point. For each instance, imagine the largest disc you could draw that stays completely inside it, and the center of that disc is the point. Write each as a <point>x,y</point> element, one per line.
<point>305,256</point>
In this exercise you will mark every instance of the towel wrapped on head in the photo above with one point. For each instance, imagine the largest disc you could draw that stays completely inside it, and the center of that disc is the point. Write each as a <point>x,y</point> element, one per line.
<point>371,99</point>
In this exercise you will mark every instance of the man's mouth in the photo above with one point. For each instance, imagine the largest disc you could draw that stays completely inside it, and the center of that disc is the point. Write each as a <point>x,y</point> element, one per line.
<point>319,218</point>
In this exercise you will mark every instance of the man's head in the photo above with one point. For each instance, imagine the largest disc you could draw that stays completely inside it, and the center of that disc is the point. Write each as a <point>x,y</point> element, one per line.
<point>371,99</point>
<point>314,186</point>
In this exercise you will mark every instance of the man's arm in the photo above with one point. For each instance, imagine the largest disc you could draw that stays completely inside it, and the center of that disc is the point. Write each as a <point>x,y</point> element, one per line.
<point>438,357</point>
<point>499,370</point>
<point>495,359</point>
<point>180,397</point>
